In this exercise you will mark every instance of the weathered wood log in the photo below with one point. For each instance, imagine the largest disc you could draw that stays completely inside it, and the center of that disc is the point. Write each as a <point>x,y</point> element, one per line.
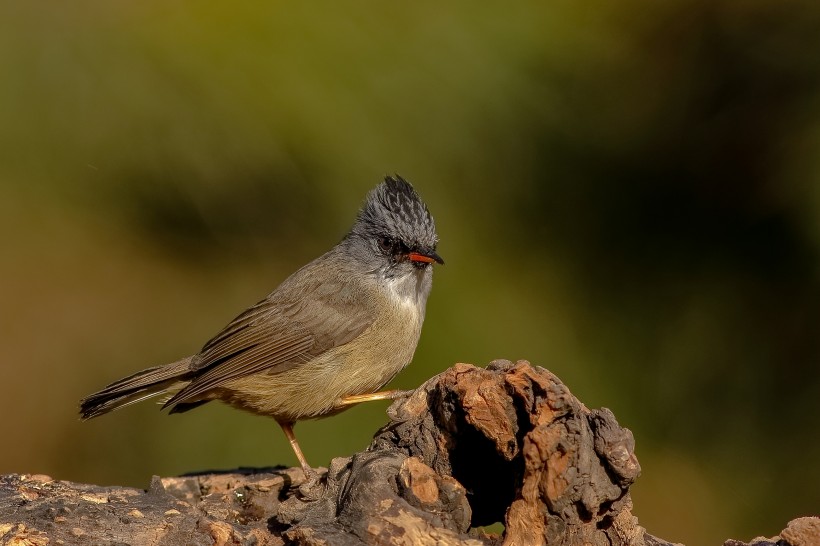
<point>470,447</point>
<point>799,532</point>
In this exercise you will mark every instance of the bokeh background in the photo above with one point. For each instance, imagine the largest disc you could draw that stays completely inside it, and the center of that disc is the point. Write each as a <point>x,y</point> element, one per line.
<point>627,193</point>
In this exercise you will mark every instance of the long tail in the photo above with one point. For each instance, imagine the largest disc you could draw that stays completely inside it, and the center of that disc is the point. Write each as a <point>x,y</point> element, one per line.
<point>135,388</point>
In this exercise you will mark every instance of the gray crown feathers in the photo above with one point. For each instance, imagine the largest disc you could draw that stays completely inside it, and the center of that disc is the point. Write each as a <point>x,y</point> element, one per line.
<point>394,209</point>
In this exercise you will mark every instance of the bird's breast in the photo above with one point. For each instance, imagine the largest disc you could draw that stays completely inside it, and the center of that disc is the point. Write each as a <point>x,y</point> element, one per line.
<point>384,349</point>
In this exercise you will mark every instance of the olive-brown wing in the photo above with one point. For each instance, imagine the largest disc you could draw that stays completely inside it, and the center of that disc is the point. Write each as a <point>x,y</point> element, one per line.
<point>276,335</point>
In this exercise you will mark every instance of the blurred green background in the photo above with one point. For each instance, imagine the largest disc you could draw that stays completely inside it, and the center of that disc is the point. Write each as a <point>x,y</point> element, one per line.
<point>626,193</point>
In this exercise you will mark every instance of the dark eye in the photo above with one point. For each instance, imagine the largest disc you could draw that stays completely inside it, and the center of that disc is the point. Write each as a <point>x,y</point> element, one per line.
<point>386,244</point>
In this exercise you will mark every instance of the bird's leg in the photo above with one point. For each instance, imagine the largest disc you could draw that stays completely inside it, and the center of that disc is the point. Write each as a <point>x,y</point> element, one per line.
<point>382,395</point>
<point>307,489</point>
<point>287,428</point>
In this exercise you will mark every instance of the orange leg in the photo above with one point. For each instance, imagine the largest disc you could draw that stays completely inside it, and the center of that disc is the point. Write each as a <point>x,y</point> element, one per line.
<point>287,428</point>
<point>382,395</point>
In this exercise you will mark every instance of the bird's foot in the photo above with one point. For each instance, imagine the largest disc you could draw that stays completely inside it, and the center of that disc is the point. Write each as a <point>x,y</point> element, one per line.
<point>312,488</point>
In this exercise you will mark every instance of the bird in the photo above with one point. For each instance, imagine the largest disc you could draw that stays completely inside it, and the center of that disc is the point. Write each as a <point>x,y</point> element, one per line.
<point>329,337</point>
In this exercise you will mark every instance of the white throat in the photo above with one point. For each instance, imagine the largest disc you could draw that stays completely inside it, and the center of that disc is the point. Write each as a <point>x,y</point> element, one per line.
<point>411,290</point>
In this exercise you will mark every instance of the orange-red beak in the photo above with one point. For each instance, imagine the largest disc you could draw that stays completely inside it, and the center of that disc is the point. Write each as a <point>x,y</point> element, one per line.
<point>426,257</point>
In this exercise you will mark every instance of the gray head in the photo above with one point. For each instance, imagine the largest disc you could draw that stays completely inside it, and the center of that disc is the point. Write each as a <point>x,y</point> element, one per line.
<point>394,232</point>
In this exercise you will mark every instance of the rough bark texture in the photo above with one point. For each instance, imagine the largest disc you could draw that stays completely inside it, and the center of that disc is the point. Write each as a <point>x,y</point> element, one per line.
<point>470,447</point>
<point>799,532</point>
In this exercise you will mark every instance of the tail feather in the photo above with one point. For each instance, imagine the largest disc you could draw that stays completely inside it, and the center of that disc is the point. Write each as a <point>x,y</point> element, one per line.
<point>135,388</point>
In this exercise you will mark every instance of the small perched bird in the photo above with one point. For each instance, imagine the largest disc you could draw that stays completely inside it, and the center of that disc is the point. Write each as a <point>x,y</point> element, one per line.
<point>330,336</point>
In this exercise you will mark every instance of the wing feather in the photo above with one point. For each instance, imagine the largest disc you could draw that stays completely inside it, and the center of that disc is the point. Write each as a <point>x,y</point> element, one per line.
<point>245,320</point>
<point>299,321</point>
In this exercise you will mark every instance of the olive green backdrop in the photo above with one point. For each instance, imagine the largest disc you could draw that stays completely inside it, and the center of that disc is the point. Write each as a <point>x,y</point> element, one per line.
<point>627,193</point>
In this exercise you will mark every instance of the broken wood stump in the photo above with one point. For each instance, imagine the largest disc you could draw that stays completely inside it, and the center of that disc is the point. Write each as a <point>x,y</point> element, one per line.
<point>471,447</point>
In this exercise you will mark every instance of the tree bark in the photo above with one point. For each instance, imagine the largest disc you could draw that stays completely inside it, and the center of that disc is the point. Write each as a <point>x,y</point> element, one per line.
<point>469,448</point>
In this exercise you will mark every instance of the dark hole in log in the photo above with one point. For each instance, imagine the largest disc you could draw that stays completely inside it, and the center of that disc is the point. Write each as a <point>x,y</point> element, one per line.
<point>490,480</point>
